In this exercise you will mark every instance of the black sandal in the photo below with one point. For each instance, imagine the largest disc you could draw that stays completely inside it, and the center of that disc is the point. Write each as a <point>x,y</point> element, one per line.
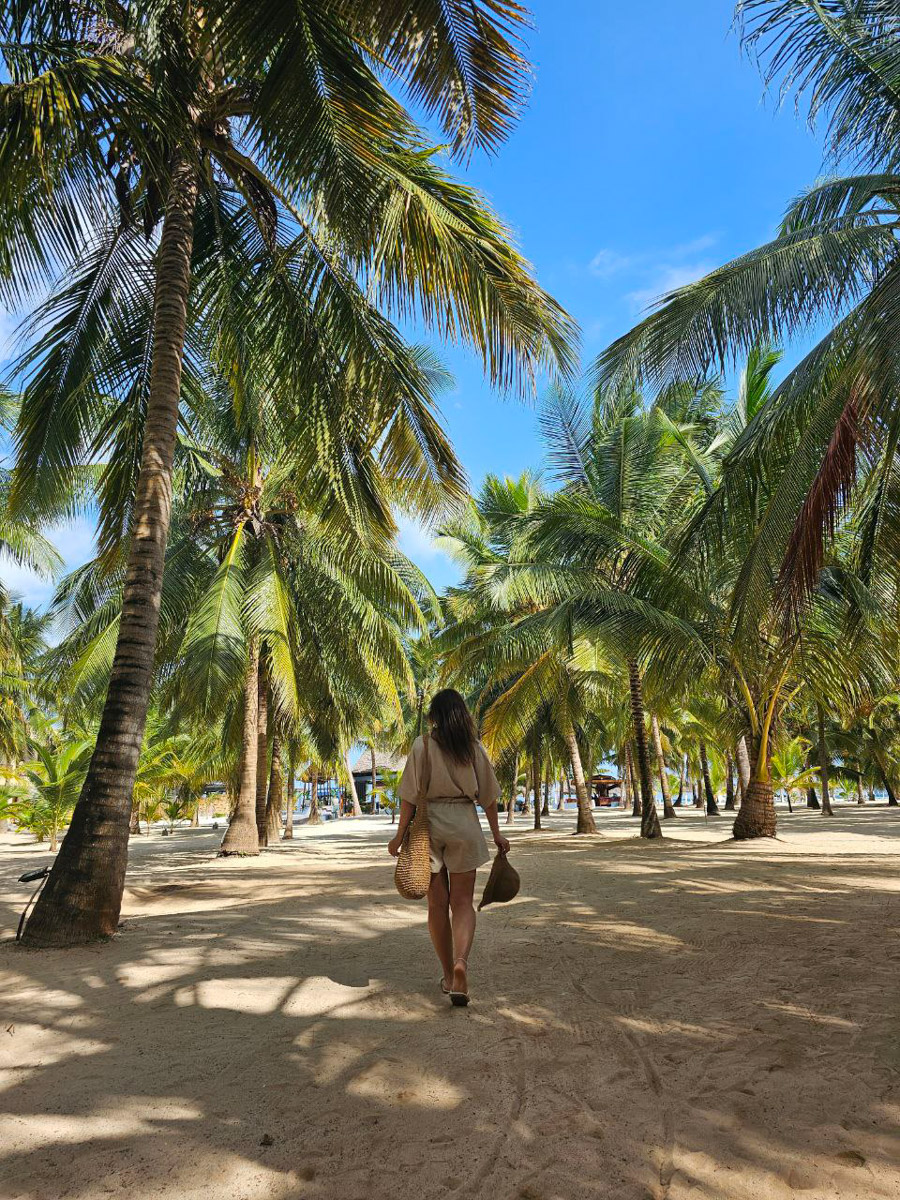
<point>459,999</point>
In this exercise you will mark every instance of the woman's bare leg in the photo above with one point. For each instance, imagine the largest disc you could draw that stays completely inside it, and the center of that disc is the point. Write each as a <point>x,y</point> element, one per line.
<point>462,889</point>
<point>439,922</point>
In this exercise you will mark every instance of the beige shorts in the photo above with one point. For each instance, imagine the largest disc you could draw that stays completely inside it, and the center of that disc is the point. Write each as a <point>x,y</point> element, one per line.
<point>457,841</point>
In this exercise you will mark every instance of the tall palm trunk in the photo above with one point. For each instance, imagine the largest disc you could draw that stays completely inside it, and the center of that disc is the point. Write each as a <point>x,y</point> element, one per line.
<point>314,818</point>
<point>275,798</point>
<point>712,809</point>
<point>860,799</point>
<point>585,822</point>
<point>824,765</point>
<point>650,827</point>
<point>562,783</point>
<point>729,784</point>
<point>545,807</point>
<point>511,806</point>
<point>812,799</point>
<point>134,824</point>
<point>262,753</point>
<point>756,816</point>
<point>242,837</point>
<point>82,897</point>
<point>291,799</point>
<point>668,809</point>
<point>636,806</point>
<point>536,784</point>
<point>373,772</point>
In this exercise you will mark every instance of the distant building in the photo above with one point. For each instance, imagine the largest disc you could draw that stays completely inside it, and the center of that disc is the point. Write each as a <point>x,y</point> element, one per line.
<point>605,790</point>
<point>362,770</point>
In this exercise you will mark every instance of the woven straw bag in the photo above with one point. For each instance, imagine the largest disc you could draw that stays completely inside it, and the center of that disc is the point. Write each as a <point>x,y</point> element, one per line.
<point>412,874</point>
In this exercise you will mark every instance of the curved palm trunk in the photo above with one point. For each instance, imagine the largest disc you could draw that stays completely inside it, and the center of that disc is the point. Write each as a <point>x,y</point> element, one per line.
<point>668,808</point>
<point>787,794</point>
<point>275,798</point>
<point>812,799</point>
<point>134,825</point>
<point>743,766</point>
<point>241,836</point>
<point>682,768</point>
<point>729,784</point>
<point>262,753</point>
<point>291,800</point>
<point>650,827</point>
<point>824,765</point>
<point>712,809</point>
<point>354,800</point>
<point>585,822</point>
<point>82,897</point>
<point>756,816</point>
<point>314,818</point>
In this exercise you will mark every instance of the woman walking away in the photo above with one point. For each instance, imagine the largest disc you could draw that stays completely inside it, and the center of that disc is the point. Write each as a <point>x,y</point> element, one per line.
<point>457,774</point>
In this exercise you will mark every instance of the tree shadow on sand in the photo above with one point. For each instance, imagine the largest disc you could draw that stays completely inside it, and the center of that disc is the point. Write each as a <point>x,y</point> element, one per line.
<point>664,1020</point>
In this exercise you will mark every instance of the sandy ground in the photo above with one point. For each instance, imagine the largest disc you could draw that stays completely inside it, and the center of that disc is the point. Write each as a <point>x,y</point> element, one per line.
<point>694,1018</point>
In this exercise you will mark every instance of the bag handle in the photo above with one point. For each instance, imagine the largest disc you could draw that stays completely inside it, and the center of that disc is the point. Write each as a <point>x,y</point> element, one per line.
<point>422,797</point>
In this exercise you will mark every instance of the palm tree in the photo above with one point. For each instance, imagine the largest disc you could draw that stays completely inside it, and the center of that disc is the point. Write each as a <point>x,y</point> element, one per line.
<point>789,770</point>
<point>829,430</point>
<point>488,645</point>
<point>272,203</point>
<point>56,775</point>
<point>625,469</point>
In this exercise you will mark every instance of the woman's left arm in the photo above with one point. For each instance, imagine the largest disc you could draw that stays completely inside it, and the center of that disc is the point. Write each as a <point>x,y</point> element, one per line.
<point>407,812</point>
<point>493,820</point>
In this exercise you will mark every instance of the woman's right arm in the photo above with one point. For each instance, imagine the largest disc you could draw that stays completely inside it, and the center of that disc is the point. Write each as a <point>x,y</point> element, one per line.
<point>407,812</point>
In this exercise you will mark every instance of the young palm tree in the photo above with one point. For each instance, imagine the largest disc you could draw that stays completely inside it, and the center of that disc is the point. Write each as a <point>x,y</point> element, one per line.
<point>287,187</point>
<point>56,775</point>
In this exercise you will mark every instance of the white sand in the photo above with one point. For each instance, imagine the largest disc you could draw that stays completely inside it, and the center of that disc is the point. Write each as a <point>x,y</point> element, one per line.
<point>694,1018</point>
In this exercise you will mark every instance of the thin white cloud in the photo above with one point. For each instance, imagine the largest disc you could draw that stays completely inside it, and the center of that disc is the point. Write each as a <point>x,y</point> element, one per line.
<point>655,271</point>
<point>606,263</point>
<point>667,278</point>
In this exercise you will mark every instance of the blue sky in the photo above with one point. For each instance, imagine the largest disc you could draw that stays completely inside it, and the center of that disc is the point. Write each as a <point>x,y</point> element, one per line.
<point>648,155</point>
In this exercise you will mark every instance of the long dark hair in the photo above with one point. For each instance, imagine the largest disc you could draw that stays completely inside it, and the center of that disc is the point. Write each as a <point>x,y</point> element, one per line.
<point>454,728</point>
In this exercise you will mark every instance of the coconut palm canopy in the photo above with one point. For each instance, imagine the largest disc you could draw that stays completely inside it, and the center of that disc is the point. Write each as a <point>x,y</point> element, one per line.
<point>223,221</point>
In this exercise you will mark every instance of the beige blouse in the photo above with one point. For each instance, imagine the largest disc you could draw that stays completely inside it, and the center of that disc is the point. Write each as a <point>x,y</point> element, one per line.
<point>454,781</point>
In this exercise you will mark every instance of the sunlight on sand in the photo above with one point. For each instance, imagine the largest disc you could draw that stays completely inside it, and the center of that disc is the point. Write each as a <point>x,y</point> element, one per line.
<point>273,1029</point>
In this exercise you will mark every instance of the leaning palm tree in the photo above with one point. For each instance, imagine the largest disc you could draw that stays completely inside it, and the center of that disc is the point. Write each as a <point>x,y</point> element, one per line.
<point>291,194</point>
<point>832,425</point>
